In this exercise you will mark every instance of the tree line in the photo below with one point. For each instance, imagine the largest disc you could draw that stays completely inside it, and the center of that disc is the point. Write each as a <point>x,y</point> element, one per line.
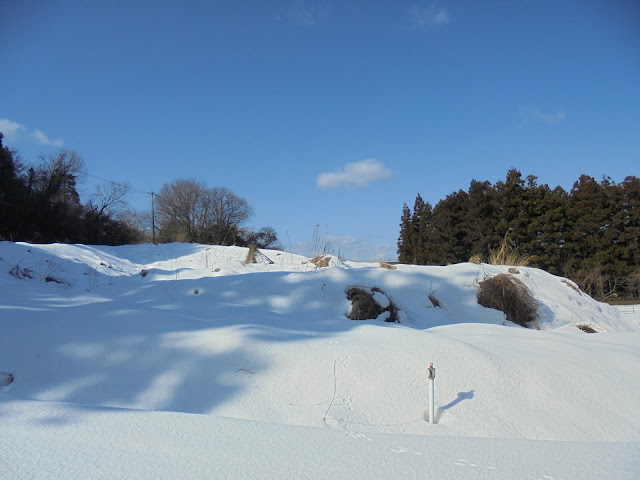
<point>40,203</point>
<point>590,234</point>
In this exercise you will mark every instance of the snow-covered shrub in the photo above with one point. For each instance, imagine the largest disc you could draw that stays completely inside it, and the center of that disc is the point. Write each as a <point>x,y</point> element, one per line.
<point>510,295</point>
<point>370,304</point>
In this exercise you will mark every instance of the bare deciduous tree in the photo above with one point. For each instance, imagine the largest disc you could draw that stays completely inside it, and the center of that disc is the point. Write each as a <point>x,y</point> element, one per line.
<point>189,211</point>
<point>224,213</point>
<point>181,203</point>
<point>108,198</point>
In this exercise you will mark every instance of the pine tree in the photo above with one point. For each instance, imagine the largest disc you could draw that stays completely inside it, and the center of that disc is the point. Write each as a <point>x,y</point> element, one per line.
<point>405,246</point>
<point>449,242</point>
<point>482,217</point>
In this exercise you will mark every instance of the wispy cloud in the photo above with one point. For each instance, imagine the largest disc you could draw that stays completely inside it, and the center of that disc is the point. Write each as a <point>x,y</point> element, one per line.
<point>43,139</point>
<point>428,16</point>
<point>357,174</point>
<point>535,115</point>
<point>10,129</point>
<point>14,131</point>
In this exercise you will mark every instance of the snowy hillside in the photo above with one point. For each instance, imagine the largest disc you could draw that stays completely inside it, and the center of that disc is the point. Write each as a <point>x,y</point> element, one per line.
<point>182,361</point>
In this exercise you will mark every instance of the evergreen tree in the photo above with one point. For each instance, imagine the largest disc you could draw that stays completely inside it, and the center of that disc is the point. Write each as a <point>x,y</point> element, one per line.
<point>449,242</point>
<point>12,194</point>
<point>482,218</point>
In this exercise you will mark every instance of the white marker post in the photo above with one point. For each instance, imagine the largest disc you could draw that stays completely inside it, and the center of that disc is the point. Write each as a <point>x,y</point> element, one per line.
<point>431,375</point>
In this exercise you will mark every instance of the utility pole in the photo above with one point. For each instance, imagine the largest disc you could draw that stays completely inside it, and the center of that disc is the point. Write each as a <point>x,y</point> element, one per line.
<point>153,218</point>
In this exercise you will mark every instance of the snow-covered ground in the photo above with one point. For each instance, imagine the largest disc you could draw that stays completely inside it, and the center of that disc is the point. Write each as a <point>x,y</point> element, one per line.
<point>181,361</point>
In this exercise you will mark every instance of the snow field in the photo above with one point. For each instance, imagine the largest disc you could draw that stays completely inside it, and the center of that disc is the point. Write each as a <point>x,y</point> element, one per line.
<point>206,364</point>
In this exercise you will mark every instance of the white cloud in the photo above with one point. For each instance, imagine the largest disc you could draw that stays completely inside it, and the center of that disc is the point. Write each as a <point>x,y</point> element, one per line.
<point>428,16</point>
<point>14,131</point>
<point>10,129</point>
<point>534,114</point>
<point>43,139</point>
<point>357,174</point>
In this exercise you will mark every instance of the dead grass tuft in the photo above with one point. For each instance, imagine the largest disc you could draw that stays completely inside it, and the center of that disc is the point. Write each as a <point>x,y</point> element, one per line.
<point>513,270</point>
<point>477,259</point>
<point>388,266</point>
<point>510,295</point>
<point>21,273</point>
<point>505,254</point>
<point>321,261</point>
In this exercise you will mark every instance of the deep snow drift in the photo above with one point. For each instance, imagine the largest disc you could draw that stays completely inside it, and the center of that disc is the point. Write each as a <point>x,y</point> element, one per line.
<point>180,361</point>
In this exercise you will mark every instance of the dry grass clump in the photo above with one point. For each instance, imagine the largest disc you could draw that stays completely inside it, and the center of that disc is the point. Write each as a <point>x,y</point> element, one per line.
<point>505,254</point>
<point>388,266</point>
<point>587,329</point>
<point>513,270</point>
<point>321,261</point>
<point>477,259</point>
<point>21,273</point>
<point>510,295</point>
<point>365,307</point>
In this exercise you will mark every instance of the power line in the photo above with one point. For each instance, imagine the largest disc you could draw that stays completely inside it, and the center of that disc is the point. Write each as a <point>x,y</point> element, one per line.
<point>115,183</point>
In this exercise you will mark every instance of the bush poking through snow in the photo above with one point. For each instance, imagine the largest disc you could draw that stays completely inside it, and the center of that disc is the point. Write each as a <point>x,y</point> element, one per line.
<point>587,329</point>
<point>388,266</point>
<point>509,295</point>
<point>514,270</point>
<point>364,305</point>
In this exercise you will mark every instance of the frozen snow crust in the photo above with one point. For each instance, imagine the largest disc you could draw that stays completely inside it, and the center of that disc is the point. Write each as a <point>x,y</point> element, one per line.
<point>113,349</point>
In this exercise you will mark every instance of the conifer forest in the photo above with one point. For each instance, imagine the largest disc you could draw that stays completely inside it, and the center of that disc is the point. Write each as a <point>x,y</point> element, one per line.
<point>590,234</point>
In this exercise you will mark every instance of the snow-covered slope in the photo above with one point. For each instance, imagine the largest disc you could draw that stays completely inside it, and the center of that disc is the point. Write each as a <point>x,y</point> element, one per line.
<point>213,368</point>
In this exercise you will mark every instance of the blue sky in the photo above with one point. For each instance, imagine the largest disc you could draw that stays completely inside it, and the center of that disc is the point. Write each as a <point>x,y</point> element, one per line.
<point>330,113</point>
